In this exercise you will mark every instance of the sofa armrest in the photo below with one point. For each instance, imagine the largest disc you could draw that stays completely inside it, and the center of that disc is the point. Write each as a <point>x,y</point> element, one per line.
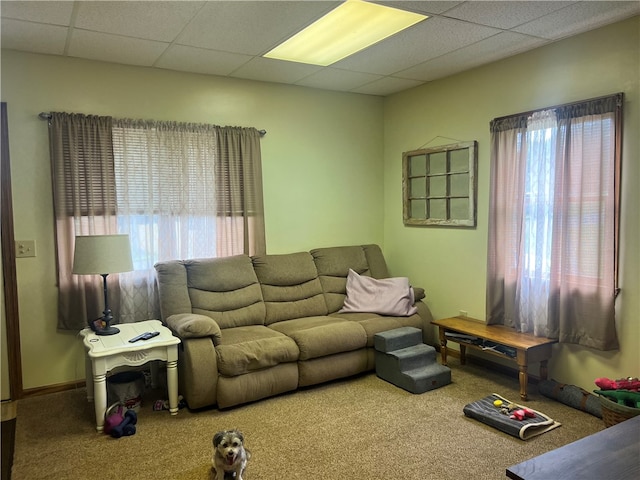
<point>193,325</point>
<point>418,293</point>
<point>429,331</point>
<point>198,372</point>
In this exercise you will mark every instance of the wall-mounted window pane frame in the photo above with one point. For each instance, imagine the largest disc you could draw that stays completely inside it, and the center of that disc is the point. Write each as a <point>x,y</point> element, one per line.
<point>439,185</point>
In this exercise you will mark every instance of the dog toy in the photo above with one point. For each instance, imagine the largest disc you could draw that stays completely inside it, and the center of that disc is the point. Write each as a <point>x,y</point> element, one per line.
<point>505,409</point>
<point>113,419</point>
<point>164,404</point>
<point>127,427</point>
<point>620,384</point>
<point>622,397</point>
<point>515,412</point>
<point>521,413</point>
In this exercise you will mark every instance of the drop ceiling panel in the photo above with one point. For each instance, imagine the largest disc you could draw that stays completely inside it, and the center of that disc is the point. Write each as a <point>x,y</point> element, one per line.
<point>387,86</point>
<point>161,21</point>
<point>428,39</point>
<point>429,7</point>
<point>56,13</point>
<point>504,15</point>
<point>33,37</point>
<point>579,17</point>
<point>270,70</point>
<point>114,48</point>
<point>335,79</point>
<point>200,60</point>
<point>491,49</point>
<point>252,28</point>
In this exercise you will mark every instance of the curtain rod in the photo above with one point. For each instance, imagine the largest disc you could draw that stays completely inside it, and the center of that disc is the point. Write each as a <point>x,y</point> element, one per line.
<point>618,96</point>
<point>47,116</point>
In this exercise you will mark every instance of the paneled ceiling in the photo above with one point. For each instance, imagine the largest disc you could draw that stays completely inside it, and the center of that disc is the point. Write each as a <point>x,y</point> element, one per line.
<point>227,38</point>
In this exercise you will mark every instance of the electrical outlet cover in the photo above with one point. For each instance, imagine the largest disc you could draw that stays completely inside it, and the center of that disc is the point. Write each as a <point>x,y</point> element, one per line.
<point>25,248</point>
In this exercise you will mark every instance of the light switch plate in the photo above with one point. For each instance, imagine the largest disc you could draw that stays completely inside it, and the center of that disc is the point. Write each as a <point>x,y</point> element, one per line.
<point>25,248</point>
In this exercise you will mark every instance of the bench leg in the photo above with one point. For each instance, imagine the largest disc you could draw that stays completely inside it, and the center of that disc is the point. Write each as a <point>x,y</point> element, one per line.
<point>524,378</point>
<point>522,360</point>
<point>443,345</point>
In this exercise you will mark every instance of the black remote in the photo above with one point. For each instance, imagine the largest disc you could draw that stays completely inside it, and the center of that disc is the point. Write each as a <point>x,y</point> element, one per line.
<point>144,336</point>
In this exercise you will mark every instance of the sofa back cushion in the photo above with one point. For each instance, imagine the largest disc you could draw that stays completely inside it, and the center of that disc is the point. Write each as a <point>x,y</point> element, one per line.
<point>225,289</point>
<point>333,264</point>
<point>375,260</point>
<point>290,286</point>
<point>172,288</point>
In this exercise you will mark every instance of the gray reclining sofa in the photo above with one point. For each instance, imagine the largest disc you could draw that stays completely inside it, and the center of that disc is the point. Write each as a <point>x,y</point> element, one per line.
<point>255,327</point>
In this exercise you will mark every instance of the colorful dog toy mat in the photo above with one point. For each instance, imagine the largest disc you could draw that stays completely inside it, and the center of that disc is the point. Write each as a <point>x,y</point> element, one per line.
<point>494,411</point>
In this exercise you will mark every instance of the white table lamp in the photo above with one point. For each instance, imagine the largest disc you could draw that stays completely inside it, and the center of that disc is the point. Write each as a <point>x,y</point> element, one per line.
<point>102,255</point>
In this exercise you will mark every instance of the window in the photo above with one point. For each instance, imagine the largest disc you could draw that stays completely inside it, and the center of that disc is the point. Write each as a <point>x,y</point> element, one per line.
<point>165,191</point>
<point>179,190</point>
<point>553,221</point>
<point>439,185</point>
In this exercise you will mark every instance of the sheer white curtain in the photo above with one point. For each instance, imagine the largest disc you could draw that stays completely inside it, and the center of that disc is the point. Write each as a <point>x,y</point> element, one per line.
<point>553,215</point>
<point>165,186</point>
<point>174,182</point>
<point>535,242</point>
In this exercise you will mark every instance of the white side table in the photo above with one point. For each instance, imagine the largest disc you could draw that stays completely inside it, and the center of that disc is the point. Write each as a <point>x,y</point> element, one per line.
<point>105,352</point>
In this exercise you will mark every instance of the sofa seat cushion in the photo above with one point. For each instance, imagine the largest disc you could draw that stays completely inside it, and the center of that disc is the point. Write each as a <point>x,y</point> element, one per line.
<point>374,323</point>
<point>320,336</point>
<point>254,347</point>
<point>256,385</point>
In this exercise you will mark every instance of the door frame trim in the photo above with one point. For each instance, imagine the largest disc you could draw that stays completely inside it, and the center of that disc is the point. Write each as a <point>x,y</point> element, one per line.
<point>10,279</point>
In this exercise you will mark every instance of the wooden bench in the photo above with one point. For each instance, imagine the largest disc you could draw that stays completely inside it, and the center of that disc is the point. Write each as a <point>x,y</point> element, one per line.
<point>526,347</point>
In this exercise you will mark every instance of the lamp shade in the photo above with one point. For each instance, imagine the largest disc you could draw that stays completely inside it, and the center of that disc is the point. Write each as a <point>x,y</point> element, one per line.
<point>99,254</point>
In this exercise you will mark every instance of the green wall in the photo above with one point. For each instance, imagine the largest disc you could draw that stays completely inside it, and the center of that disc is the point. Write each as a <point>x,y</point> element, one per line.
<point>322,167</point>
<point>332,171</point>
<point>451,263</point>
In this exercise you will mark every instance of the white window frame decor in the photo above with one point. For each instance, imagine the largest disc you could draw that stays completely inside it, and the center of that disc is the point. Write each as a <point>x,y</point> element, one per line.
<point>439,185</point>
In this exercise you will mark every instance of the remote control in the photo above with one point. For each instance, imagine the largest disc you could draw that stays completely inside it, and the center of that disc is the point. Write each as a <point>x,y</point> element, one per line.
<point>144,336</point>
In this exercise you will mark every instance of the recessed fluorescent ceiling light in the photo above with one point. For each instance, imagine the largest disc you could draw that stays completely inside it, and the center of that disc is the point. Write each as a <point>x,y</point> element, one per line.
<point>343,31</point>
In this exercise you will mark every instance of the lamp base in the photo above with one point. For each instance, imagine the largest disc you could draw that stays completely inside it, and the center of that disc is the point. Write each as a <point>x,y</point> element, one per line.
<point>107,331</point>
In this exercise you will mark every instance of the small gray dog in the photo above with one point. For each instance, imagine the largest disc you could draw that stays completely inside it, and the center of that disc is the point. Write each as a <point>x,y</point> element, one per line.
<point>229,454</point>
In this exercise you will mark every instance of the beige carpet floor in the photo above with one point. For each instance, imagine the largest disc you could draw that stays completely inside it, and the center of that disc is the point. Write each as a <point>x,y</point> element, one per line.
<point>358,428</point>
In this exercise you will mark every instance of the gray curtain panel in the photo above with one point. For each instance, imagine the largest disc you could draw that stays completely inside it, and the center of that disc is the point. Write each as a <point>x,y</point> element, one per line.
<point>84,201</point>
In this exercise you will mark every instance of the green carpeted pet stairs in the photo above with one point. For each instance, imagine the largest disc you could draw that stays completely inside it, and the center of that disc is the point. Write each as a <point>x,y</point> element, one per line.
<point>403,360</point>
